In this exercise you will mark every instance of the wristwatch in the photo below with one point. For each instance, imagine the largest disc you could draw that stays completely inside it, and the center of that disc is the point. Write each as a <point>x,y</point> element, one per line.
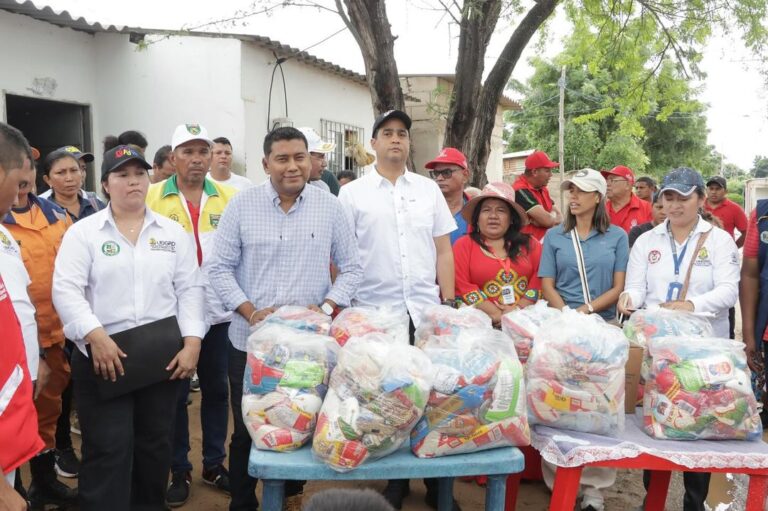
<point>327,308</point>
<point>590,308</point>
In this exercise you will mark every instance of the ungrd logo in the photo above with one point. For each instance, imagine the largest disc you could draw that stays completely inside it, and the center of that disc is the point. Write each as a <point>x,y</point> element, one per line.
<point>110,248</point>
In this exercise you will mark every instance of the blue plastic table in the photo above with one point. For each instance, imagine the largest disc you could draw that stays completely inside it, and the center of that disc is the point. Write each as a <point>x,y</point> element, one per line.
<point>274,468</point>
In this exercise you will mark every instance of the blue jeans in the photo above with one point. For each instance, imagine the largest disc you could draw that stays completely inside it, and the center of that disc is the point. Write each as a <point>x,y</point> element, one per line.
<point>214,407</point>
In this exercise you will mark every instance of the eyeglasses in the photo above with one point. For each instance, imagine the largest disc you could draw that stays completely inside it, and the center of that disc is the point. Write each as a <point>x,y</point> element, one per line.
<point>445,173</point>
<point>615,179</point>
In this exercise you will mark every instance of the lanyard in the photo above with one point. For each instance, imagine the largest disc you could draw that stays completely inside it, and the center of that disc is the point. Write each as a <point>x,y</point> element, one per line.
<point>505,263</point>
<point>677,260</point>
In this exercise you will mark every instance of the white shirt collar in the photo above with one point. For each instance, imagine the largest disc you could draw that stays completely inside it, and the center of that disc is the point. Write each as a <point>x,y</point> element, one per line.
<point>701,227</point>
<point>149,217</point>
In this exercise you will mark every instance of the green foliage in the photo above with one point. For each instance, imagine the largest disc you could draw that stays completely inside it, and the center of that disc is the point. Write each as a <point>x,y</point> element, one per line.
<point>760,167</point>
<point>618,109</point>
<point>738,198</point>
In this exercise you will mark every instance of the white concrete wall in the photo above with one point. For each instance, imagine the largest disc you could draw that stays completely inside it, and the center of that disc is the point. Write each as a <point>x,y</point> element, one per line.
<point>33,50</point>
<point>221,83</point>
<point>313,94</point>
<point>174,81</point>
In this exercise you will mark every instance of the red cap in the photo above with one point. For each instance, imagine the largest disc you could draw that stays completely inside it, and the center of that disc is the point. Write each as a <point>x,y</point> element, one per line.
<point>538,160</point>
<point>621,171</point>
<point>449,155</point>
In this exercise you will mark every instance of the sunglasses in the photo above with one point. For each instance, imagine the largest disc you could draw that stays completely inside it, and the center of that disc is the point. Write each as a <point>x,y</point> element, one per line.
<point>445,174</point>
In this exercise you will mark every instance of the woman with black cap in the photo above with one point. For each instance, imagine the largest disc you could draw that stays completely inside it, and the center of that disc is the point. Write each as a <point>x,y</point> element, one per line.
<point>684,263</point>
<point>119,269</point>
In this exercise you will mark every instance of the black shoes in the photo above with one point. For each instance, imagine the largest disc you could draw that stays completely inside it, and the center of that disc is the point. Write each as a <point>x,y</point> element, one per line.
<point>67,464</point>
<point>218,477</point>
<point>45,489</point>
<point>178,491</point>
<point>396,491</point>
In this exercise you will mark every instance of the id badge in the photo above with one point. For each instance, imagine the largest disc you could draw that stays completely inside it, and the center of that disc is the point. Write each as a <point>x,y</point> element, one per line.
<point>507,296</point>
<point>673,291</point>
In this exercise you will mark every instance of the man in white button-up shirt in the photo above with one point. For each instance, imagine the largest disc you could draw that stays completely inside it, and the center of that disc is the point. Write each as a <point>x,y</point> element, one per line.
<point>403,227</point>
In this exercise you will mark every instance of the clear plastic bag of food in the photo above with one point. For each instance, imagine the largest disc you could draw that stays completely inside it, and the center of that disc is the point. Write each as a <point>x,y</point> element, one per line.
<point>299,318</point>
<point>521,326</point>
<point>443,320</point>
<point>655,323</point>
<point>377,394</point>
<point>477,401</point>
<point>358,321</point>
<point>576,374</point>
<point>286,378</point>
<point>699,389</point>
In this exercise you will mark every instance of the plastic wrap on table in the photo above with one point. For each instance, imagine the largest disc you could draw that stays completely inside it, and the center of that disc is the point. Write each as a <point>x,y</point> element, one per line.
<point>521,326</point>
<point>299,318</point>
<point>699,389</point>
<point>477,401</point>
<point>576,375</point>
<point>647,324</point>
<point>286,377</point>
<point>377,394</point>
<point>359,321</point>
<point>442,320</point>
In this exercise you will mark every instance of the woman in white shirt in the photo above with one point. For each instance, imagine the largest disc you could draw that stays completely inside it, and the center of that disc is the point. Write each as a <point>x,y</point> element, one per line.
<point>118,269</point>
<point>660,263</point>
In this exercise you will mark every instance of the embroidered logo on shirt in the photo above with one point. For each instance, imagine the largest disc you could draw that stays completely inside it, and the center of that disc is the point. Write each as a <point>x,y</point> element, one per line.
<point>162,245</point>
<point>702,258</point>
<point>634,222</point>
<point>5,240</point>
<point>764,236</point>
<point>214,219</point>
<point>174,217</point>
<point>110,248</point>
<point>654,256</point>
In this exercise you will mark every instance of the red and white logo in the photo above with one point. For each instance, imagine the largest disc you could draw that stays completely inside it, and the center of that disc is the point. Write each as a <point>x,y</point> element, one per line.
<point>654,256</point>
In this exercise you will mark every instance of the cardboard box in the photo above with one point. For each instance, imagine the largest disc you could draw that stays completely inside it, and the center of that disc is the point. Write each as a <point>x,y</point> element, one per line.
<point>632,377</point>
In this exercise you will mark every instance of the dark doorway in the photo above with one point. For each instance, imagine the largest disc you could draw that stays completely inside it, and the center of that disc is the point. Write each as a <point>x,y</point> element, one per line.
<point>49,125</point>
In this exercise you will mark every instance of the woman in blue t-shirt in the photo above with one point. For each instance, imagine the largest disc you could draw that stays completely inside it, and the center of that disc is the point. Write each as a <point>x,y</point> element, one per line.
<point>586,233</point>
<point>603,247</point>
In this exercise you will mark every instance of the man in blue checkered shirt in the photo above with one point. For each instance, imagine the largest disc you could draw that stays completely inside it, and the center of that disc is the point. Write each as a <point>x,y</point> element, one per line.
<point>273,247</point>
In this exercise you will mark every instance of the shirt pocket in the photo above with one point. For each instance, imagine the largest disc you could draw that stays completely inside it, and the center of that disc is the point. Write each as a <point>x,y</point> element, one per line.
<point>421,215</point>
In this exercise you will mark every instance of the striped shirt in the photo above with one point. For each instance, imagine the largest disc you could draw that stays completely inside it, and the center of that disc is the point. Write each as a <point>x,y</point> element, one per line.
<point>271,258</point>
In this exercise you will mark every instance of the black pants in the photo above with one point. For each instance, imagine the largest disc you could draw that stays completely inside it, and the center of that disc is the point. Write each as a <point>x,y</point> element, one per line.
<point>732,323</point>
<point>63,433</point>
<point>125,443</point>
<point>242,486</point>
<point>696,488</point>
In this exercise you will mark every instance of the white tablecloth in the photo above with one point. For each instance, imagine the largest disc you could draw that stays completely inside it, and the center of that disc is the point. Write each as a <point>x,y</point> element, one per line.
<point>567,448</point>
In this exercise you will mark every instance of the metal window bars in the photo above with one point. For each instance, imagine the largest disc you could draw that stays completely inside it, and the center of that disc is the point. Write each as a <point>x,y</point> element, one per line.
<point>346,137</point>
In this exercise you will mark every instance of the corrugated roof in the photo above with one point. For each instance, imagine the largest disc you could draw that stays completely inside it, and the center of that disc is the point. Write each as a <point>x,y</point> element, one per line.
<point>65,19</point>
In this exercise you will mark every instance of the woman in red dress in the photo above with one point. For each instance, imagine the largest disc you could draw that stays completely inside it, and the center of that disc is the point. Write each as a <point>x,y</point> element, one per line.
<point>497,266</point>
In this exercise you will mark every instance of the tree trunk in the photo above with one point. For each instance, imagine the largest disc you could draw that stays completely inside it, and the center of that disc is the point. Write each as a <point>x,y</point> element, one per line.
<point>370,26</point>
<point>473,109</point>
<point>478,21</point>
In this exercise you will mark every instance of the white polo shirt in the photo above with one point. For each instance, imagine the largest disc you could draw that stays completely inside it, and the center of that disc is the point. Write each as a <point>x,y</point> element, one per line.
<point>101,279</point>
<point>16,279</point>
<point>236,181</point>
<point>395,227</point>
<point>714,284</point>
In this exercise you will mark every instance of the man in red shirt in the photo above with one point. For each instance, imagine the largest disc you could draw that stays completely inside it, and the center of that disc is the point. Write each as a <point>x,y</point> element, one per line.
<point>19,440</point>
<point>624,207</point>
<point>532,194</point>
<point>729,213</point>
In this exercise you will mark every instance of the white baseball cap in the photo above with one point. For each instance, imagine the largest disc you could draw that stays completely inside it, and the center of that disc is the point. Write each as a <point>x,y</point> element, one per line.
<point>186,132</point>
<point>586,180</point>
<point>315,144</point>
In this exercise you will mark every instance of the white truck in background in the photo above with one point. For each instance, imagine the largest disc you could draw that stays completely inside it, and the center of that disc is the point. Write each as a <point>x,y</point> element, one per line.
<point>754,189</point>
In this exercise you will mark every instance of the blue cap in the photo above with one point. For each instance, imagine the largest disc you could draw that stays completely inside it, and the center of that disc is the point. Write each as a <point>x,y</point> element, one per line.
<point>683,180</point>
